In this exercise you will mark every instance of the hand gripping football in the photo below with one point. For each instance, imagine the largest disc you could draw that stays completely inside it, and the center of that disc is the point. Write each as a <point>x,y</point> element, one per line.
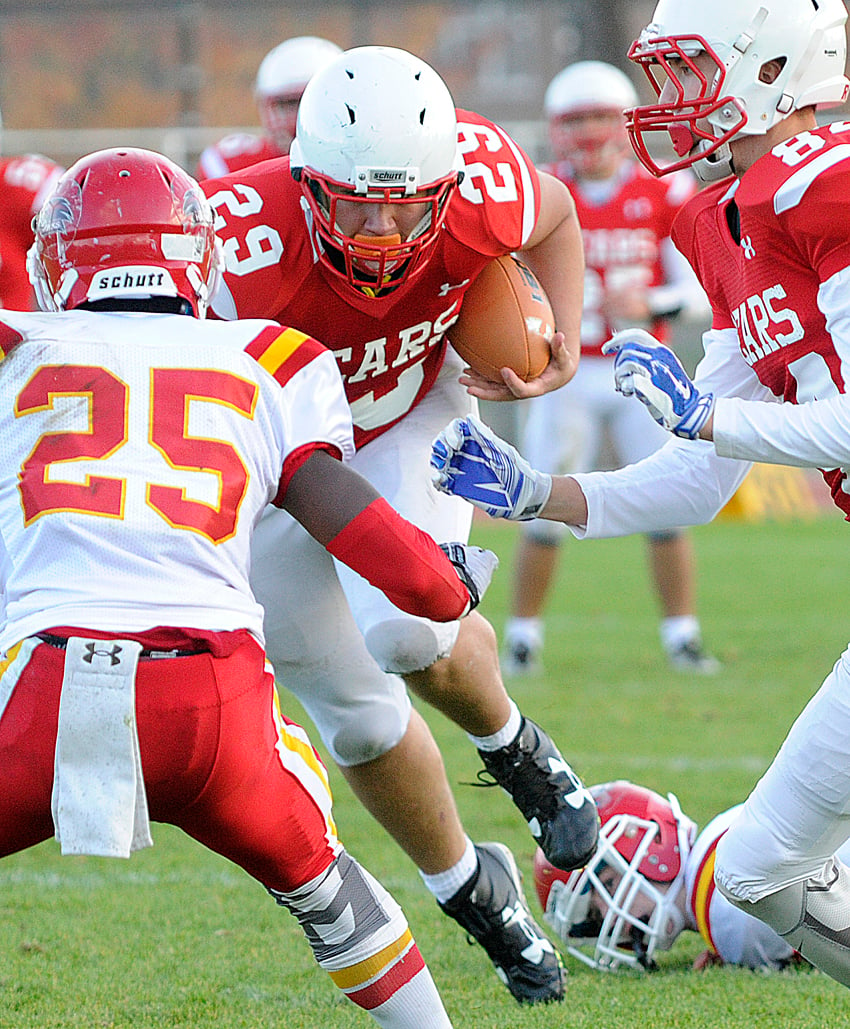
<point>505,320</point>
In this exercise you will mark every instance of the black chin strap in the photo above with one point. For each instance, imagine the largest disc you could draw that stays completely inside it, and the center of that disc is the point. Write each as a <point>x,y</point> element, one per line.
<point>145,305</point>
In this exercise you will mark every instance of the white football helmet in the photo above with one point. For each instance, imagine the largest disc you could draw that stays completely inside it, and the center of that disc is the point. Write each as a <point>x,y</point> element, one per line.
<point>740,36</point>
<point>376,126</point>
<point>622,906</point>
<point>281,78</point>
<point>593,146</point>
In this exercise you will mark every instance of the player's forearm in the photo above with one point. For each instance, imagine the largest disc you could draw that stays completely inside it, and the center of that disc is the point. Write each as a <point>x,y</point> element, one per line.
<point>555,254</point>
<point>567,503</point>
<point>683,483</point>
<point>346,514</point>
<point>402,561</point>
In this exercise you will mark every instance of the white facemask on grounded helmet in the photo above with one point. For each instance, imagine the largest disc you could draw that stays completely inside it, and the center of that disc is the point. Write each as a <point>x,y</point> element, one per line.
<point>588,87</point>
<point>622,906</point>
<point>807,37</point>
<point>376,126</point>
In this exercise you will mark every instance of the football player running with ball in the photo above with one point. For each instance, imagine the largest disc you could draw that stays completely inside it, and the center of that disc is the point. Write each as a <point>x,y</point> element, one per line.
<point>739,83</point>
<point>140,447</point>
<point>368,236</point>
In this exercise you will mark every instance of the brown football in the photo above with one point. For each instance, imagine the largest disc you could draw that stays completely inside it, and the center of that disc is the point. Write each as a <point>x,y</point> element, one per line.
<point>505,321</point>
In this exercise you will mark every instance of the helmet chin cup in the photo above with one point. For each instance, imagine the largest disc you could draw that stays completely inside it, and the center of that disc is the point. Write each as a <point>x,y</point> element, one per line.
<point>716,166</point>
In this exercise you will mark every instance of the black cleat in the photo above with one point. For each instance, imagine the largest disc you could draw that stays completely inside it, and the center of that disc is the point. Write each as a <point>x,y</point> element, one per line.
<point>493,910</point>
<point>691,656</point>
<point>560,812</point>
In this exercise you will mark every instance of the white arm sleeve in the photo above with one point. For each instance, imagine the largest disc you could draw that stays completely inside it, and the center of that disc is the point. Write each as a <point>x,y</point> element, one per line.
<point>815,434</point>
<point>685,482</point>
<point>681,292</point>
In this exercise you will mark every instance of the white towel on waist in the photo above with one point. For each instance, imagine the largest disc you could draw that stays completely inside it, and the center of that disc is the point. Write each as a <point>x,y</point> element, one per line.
<point>99,804</point>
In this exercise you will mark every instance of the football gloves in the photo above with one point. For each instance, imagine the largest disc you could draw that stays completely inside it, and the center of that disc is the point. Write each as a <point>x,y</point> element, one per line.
<point>471,461</point>
<point>647,369</point>
<point>474,567</point>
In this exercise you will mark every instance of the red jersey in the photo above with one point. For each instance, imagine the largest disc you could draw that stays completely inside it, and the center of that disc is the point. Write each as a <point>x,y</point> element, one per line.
<point>622,241</point>
<point>24,182</point>
<point>233,153</point>
<point>390,348</point>
<point>764,278</point>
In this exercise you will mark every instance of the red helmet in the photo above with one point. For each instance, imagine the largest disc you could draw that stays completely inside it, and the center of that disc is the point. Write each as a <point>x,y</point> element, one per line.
<point>124,223</point>
<point>621,906</point>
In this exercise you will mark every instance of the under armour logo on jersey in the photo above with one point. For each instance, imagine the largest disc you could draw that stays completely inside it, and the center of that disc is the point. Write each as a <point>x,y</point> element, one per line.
<point>112,653</point>
<point>446,286</point>
<point>637,209</point>
<point>748,248</point>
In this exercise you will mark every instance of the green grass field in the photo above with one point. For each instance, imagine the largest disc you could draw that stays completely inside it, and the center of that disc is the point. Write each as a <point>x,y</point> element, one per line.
<point>176,937</point>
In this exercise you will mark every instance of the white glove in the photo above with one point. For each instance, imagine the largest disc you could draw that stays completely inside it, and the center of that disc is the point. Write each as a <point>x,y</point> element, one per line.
<point>652,372</point>
<point>474,567</point>
<point>470,460</point>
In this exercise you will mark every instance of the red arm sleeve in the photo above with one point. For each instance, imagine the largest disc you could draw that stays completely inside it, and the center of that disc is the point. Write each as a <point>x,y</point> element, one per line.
<point>402,561</point>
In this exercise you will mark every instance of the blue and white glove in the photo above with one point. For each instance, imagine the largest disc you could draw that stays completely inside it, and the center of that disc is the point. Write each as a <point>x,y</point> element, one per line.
<point>470,460</point>
<point>474,567</point>
<point>652,372</point>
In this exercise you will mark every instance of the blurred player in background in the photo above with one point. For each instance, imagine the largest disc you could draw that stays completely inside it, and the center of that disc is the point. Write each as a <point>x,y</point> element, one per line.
<point>141,446</point>
<point>368,236</point>
<point>739,85</point>
<point>281,78</point>
<point>651,879</point>
<point>633,275</point>
<point>24,183</point>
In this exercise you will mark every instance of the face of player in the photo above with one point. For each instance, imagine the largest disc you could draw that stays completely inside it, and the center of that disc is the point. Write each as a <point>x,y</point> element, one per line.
<point>594,142</point>
<point>278,115</point>
<point>641,908</point>
<point>387,223</point>
<point>693,80</point>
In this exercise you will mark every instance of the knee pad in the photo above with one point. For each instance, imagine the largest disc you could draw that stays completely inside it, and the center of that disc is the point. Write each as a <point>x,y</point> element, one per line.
<point>404,645</point>
<point>372,730</point>
<point>752,861</point>
<point>356,743</point>
<point>346,915</point>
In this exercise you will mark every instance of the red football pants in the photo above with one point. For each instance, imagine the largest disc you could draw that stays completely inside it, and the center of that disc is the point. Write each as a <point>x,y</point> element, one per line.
<point>218,761</point>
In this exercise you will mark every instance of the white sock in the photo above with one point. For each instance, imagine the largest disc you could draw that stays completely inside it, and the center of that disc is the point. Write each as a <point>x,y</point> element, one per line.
<point>412,1006</point>
<point>525,630</point>
<point>676,631</point>
<point>507,734</point>
<point>444,885</point>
